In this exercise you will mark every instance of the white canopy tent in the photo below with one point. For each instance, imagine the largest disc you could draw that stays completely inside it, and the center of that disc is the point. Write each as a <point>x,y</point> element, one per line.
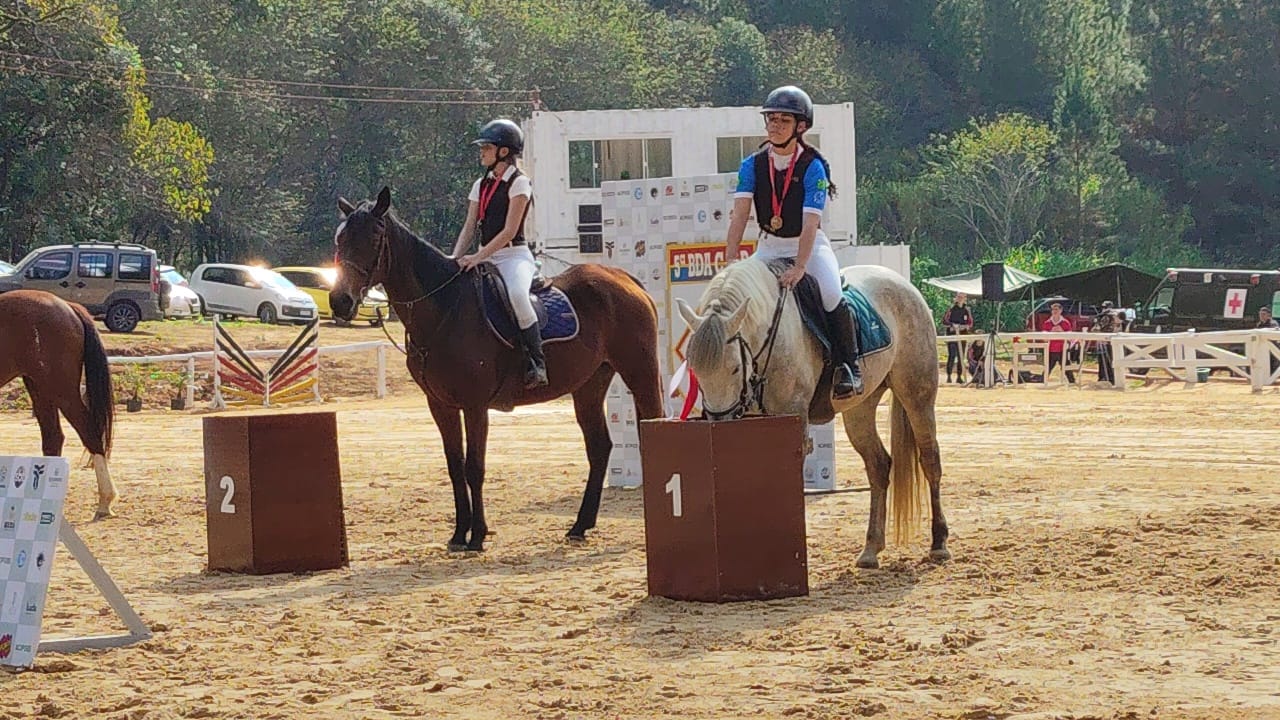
<point>970,283</point>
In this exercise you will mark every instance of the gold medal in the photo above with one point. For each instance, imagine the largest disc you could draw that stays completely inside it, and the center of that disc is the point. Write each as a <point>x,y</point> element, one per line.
<point>775,222</point>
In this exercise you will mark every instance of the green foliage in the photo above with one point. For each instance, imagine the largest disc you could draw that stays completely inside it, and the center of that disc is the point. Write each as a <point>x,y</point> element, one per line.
<point>993,177</point>
<point>1084,129</point>
<point>81,155</point>
<point>743,63</point>
<point>1050,262</point>
<point>1206,129</point>
<point>1087,164</point>
<point>173,156</point>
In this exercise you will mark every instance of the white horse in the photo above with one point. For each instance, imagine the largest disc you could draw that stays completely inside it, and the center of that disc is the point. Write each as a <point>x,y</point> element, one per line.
<point>729,353</point>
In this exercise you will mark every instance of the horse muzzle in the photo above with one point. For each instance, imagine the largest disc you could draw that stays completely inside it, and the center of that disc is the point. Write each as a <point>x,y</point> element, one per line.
<point>342,305</point>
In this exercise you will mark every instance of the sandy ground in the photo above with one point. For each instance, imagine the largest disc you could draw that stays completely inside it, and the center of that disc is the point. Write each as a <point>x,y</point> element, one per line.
<point>1116,556</point>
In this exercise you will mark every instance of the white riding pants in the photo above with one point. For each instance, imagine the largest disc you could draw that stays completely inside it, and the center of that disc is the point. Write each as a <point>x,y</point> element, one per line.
<point>822,266</point>
<point>517,267</point>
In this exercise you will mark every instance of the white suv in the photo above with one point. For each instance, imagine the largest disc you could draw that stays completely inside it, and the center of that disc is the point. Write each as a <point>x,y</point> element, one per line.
<point>249,291</point>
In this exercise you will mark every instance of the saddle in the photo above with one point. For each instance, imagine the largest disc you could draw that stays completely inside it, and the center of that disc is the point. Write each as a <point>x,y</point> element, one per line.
<point>873,335</point>
<point>557,318</point>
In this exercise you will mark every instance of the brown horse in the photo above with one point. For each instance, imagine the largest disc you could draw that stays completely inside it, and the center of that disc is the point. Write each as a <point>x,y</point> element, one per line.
<point>48,343</point>
<point>463,367</point>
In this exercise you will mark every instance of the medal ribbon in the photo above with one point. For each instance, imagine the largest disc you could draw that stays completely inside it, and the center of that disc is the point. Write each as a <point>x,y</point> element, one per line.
<point>776,197</point>
<point>484,199</point>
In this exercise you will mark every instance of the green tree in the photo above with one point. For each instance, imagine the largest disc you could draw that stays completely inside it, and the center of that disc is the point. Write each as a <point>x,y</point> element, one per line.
<point>1085,142</point>
<point>80,152</point>
<point>743,54</point>
<point>993,177</point>
<point>1207,129</point>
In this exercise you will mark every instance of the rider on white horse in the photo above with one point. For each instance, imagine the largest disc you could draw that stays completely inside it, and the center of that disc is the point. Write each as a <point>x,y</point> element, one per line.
<point>788,182</point>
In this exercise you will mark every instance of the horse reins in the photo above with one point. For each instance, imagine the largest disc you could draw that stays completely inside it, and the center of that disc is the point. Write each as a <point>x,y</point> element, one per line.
<point>384,253</point>
<point>753,386</point>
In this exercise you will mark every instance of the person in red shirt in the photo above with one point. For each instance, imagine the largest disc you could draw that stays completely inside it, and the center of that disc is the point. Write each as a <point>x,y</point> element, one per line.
<point>1057,323</point>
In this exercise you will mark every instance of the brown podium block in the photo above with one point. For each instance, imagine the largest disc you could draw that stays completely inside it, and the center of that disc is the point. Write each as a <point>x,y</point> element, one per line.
<point>724,508</point>
<point>273,491</point>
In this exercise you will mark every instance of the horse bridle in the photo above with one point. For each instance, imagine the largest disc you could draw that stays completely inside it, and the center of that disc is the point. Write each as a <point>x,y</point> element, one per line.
<point>384,257</point>
<point>380,241</point>
<point>752,389</point>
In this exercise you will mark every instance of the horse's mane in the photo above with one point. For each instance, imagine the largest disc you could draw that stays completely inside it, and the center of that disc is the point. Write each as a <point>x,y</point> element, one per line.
<point>749,279</point>
<point>426,257</point>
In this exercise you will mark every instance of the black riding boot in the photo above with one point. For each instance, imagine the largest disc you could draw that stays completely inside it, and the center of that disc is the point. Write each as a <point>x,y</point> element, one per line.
<point>848,376</point>
<point>535,375</point>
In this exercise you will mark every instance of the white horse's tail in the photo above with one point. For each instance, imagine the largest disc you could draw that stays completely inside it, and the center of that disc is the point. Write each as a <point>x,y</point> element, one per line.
<point>907,477</point>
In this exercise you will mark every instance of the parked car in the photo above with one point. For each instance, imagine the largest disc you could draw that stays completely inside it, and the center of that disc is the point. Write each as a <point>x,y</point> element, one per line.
<point>183,302</point>
<point>1081,314</point>
<point>118,283</point>
<point>250,291</point>
<point>318,281</point>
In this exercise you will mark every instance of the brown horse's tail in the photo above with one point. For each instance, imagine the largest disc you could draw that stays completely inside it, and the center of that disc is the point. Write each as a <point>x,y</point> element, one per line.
<point>907,476</point>
<point>97,382</point>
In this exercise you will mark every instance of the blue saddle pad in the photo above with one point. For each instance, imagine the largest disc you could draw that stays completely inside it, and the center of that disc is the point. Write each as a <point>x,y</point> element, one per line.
<point>873,335</point>
<point>557,319</point>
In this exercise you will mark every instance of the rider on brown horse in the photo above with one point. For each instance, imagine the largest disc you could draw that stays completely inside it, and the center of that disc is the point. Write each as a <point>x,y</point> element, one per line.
<point>497,207</point>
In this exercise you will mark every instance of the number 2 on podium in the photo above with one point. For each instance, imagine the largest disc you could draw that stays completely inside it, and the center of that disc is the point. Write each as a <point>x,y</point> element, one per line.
<point>673,487</point>
<point>230,486</point>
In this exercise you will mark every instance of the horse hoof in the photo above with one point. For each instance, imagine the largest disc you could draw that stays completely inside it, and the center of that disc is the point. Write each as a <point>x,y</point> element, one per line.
<point>475,547</point>
<point>455,546</point>
<point>574,538</point>
<point>869,563</point>
<point>939,555</point>
<point>103,515</point>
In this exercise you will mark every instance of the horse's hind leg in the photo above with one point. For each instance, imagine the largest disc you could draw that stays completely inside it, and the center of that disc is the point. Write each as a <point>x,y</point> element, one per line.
<point>640,372</point>
<point>860,427</point>
<point>45,409</point>
<point>78,415</point>
<point>920,413</point>
<point>588,406</point>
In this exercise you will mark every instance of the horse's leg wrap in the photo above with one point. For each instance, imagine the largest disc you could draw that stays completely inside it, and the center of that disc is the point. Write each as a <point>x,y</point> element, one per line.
<point>848,376</point>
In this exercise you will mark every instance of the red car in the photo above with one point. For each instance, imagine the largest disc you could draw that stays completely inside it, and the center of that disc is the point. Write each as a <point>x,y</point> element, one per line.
<point>1080,314</point>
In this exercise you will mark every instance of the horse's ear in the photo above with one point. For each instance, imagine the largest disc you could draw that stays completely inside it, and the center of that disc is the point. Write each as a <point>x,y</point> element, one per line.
<point>690,317</point>
<point>384,202</point>
<point>735,320</point>
<point>345,207</point>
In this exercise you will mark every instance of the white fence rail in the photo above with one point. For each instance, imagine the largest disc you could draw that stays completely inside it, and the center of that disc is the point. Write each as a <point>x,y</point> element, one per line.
<point>1252,355</point>
<point>379,346</point>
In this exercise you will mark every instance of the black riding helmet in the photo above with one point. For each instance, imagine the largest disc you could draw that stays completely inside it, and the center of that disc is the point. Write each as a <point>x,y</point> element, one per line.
<point>502,133</point>
<point>790,99</point>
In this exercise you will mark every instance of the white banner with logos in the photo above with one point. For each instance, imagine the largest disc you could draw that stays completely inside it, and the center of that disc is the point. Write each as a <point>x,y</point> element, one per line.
<point>32,490</point>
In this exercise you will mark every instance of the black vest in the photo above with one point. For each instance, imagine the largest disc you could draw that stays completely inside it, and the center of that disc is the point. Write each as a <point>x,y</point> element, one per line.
<point>495,215</point>
<point>792,204</point>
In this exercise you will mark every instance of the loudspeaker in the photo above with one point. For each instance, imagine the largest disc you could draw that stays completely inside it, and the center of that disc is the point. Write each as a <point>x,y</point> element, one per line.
<point>993,281</point>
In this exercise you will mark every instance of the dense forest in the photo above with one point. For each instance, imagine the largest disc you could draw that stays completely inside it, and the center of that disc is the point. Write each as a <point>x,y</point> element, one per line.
<point>1051,134</point>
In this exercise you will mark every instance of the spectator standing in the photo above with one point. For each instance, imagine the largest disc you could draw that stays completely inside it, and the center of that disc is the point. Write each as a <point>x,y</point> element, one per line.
<point>1057,323</point>
<point>958,320</point>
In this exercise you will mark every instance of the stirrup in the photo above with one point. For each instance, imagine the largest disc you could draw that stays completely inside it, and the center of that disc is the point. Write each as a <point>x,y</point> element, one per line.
<point>535,377</point>
<point>848,385</point>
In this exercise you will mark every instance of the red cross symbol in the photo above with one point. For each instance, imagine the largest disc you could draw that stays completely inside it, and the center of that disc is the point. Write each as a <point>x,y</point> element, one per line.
<point>1234,303</point>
